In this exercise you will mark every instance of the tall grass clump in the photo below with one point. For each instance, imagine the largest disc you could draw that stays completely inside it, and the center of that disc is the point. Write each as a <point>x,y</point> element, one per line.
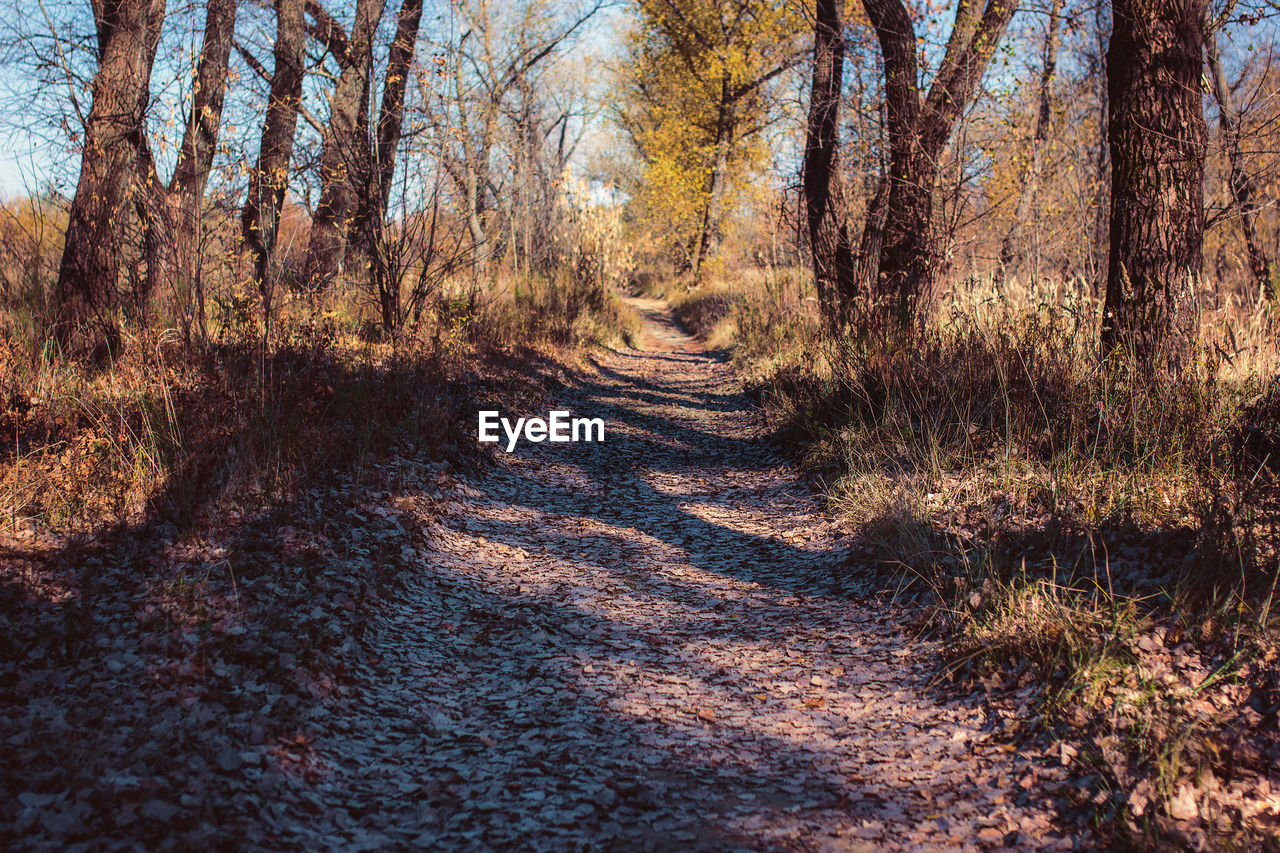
<point>766,318</point>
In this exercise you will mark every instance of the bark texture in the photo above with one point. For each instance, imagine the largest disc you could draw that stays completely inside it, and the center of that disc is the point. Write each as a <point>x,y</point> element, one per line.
<point>899,252</point>
<point>343,146</point>
<point>1102,155</point>
<point>825,208</point>
<point>260,219</point>
<point>1156,132</point>
<point>87,295</point>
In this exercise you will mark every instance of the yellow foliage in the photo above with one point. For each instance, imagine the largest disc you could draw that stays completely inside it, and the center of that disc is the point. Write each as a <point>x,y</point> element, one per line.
<point>31,238</point>
<point>697,78</point>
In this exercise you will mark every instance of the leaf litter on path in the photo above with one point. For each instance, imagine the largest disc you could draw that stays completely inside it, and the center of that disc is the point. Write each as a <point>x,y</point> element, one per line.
<point>639,644</point>
<point>644,644</point>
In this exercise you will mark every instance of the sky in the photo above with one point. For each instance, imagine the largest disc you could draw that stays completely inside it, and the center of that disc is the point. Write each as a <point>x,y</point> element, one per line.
<point>35,107</point>
<point>35,104</point>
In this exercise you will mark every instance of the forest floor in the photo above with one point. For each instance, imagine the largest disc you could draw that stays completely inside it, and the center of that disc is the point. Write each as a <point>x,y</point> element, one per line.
<point>649,643</point>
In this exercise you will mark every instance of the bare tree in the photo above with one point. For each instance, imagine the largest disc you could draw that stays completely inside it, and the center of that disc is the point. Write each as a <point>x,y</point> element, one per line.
<point>899,250</point>
<point>170,213</point>
<point>86,295</point>
<point>483,78</point>
<point>1029,175</point>
<point>345,140</point>
<point>268,180</point>
<point>547,120</point>
<point>1240,182</point>
<point>374,181</point>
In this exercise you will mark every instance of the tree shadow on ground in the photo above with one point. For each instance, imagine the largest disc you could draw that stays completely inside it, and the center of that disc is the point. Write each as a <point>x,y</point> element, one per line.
<point>300,676</point>
<point>148,671</point>
<point>538,753</point>
<point>636,779</point>
<point>614,482</point>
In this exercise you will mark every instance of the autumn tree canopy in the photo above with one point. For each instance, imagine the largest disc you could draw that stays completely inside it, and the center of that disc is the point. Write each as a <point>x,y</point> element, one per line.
<point>699,80</point>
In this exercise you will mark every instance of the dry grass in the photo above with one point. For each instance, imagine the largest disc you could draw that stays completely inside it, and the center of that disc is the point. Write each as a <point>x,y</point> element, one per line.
<point>171,429</point>
<point>768,318</point>
<point>1108,539</point>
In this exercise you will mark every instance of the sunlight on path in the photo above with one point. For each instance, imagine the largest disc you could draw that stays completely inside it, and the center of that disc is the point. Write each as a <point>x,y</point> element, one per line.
<point>637,645</point>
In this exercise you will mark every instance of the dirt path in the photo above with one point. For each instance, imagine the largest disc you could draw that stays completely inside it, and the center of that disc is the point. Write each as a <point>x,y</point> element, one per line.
<point>636,645</point>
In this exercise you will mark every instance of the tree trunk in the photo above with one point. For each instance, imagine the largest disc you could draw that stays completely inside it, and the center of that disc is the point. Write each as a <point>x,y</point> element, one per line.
<point>1240,183</point>
<point>867,260</point>
<point>472,176</point>
<point>1102,157</point>
<point>171,214</point>
<point>708,233</point>
<point>1157,139</point>
<point>918,134</point>
<point>260,219</point>
<point>375,189</point>
<point>1028,179</point>
<point>904,236</point>
<point>825,208</point>
<point>391,116</point>
<point>86,294</point>
<point>476,210</point>
<point>341,160</point>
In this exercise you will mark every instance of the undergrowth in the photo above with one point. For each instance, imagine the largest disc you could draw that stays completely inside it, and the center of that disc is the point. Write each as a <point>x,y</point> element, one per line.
<point>176,430</point>
<point>1104,538</point>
